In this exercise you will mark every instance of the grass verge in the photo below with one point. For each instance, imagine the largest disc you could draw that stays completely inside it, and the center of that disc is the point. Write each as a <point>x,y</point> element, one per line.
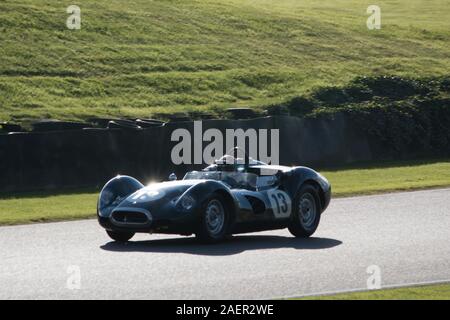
<point>138,58</point>
<point>425,292</point>
<point>388,177</point>
<point>346,181</point>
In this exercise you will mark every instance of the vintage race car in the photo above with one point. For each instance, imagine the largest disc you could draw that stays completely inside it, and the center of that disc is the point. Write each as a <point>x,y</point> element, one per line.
<point>231,196</point>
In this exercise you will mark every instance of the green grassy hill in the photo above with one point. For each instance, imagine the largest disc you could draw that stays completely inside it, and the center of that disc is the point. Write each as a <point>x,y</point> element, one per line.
<point>139,57</point>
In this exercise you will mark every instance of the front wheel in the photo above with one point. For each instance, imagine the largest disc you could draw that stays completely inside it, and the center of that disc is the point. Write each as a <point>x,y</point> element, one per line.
<point>305,212</point>
<point>120,236</point>
<point>214,220</point>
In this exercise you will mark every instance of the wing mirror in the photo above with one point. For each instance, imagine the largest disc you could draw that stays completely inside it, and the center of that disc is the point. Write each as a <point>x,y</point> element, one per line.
<point>172,177</point>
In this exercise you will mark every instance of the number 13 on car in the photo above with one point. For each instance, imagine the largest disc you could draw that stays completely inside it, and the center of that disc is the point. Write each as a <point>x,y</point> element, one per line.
<point>281,203</point>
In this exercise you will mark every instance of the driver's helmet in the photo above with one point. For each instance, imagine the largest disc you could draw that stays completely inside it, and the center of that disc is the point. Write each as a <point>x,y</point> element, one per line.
<point>226,159</point>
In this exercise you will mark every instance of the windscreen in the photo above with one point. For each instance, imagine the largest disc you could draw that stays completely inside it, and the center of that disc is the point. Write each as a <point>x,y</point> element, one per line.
<point>235,180</point>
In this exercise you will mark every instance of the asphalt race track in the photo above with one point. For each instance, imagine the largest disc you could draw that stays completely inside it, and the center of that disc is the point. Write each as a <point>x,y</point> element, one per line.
<point>407,235</point>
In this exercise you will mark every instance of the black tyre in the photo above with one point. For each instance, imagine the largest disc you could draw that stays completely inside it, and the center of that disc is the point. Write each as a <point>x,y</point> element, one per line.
<point>305,212</point>
<point>124,125</point>
<point>120,236</point>
<point>215,219</point>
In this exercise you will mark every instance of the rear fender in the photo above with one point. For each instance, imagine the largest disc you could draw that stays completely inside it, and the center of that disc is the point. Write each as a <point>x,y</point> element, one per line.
<point>294,179</point>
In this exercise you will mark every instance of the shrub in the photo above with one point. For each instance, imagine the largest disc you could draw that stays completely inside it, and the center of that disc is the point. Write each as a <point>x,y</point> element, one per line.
<point>400,116</point>
<point>393,87</point>
<point>300,106</point>
<point>332,96</point>
<point>403,127</point>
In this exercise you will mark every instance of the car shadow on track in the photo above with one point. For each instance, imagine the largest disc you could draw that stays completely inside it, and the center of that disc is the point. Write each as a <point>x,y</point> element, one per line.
<point>234,245</point>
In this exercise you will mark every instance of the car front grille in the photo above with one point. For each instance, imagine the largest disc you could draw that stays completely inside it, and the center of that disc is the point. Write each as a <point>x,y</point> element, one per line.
<point>130,217</point>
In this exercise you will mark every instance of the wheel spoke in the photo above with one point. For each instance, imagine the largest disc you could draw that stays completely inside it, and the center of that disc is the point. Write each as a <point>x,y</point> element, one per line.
<point>215,217</point>
<point>307,210</point>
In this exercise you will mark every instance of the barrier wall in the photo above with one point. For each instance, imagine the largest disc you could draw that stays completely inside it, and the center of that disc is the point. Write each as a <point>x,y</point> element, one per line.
<point>89,157</point>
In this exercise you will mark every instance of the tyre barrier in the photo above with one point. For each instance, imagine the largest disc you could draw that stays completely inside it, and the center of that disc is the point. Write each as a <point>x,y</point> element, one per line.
<point>179,117</point>
<point>148,123</point>
<point>241,113</point>
<point>101,122</point>
<point>201,115</point>
<point>124,125</point>
<point>6,127</point>
<point>55,125</point>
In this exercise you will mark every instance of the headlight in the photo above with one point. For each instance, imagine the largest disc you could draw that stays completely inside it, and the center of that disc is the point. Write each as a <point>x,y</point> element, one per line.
<point>114,192</point>
<point>187,202</point>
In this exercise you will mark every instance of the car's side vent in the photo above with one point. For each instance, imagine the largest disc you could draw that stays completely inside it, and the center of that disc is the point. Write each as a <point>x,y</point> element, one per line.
<point>257,205</point>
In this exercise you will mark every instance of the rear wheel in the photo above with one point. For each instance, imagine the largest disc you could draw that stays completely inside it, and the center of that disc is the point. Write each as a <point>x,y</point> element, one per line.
<point>120,236</point>
<point>306,212</point>
<point>214,220</point>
